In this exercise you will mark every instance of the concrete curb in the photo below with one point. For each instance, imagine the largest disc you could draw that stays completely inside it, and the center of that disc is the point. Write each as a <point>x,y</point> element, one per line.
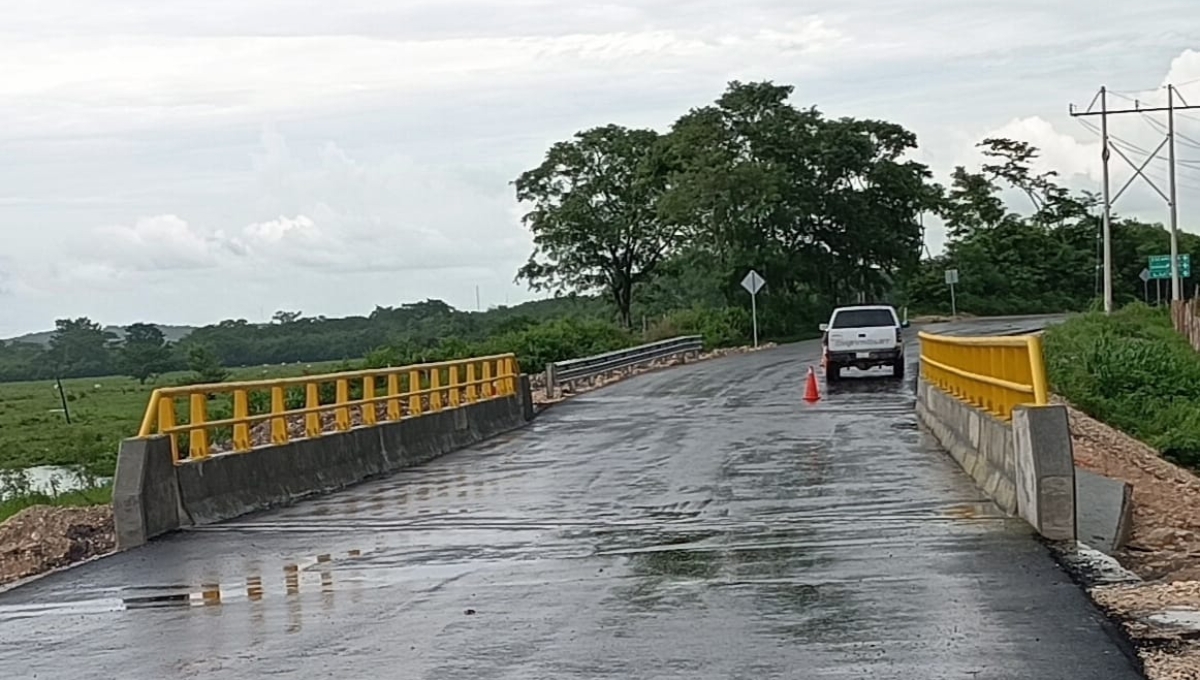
<point>152,496</point>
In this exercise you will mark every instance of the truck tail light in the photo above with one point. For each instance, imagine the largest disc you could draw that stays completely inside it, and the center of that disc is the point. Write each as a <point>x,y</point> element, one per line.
<point>899,337</point>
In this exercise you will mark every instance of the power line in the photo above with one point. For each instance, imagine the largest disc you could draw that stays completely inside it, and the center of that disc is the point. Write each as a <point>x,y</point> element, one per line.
<point>1187,163</point>
<point>1162,130</point>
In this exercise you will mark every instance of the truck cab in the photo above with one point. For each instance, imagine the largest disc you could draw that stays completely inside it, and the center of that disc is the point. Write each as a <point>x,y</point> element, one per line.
<point>863,337</point>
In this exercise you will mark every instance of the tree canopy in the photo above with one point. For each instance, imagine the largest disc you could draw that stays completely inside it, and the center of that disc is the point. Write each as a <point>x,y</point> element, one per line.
<point>594,216</point>
<point>827,210</point>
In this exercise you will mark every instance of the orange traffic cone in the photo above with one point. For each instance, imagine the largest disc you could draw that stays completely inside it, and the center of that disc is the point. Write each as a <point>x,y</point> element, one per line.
<point>811,393</point>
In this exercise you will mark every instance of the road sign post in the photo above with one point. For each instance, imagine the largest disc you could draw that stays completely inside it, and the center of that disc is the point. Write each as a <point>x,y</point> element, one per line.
<point>754,283</point>
<point>951,279</point>
<point>1144,275</point>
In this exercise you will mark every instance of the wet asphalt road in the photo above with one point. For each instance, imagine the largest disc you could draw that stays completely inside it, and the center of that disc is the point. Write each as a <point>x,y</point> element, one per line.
<point>701,522</point>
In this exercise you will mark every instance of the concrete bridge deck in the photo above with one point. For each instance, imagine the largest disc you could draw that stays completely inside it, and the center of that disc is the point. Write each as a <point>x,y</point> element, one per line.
<point>701,522</point>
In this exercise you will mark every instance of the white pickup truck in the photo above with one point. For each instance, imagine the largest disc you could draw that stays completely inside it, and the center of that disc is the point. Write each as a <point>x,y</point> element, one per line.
<point>863,337</point>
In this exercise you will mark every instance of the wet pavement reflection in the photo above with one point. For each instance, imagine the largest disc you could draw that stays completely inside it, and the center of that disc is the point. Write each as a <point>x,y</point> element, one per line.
<point>701,522</point>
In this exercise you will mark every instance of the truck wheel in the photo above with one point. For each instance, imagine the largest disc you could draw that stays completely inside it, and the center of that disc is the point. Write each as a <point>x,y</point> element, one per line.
<point>898,369</point>
<point>833,372</point>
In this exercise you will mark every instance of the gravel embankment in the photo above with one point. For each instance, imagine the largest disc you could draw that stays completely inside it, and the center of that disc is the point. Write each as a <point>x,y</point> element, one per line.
<point>1161,614</point>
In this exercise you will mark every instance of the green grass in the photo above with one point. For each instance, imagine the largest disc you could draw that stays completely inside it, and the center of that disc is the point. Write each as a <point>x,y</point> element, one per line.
<point>1132,371</point>
<point>33,430</point>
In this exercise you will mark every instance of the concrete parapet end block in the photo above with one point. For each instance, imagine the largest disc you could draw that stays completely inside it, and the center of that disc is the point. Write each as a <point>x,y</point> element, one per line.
<point>1045,468</point>
<point>145,495</point>
<point>525,394</point>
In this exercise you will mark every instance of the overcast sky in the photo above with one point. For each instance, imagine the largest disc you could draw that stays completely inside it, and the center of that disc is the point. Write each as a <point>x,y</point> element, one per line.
<point>189,161</point>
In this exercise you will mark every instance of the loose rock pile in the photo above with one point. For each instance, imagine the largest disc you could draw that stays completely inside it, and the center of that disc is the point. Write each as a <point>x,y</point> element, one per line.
<point>43,538</point>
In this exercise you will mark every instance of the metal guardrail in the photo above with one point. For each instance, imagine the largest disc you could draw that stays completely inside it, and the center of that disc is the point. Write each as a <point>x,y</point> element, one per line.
<point>274,412</point>
<point>568,372</point>
<point>994,373</point>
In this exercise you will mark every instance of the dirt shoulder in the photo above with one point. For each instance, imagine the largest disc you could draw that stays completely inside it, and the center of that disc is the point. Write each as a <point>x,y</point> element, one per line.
<point>1161,614</point>
<point>43,538</point>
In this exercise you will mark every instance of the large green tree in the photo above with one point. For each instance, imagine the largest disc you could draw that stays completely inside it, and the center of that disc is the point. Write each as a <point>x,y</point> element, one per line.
<point>827,210</point>
<point>594,215</point>
<point>144,352</point>
<point>81,347</point>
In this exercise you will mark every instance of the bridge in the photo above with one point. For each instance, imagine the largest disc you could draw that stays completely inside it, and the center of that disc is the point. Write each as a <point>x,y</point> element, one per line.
<point>696,522</point>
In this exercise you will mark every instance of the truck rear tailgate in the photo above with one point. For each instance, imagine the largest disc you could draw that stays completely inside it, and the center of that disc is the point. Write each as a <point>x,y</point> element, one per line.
<point>861,339</point>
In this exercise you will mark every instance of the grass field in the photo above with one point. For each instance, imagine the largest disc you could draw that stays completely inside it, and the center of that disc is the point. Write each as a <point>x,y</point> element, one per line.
<point>34,431</point>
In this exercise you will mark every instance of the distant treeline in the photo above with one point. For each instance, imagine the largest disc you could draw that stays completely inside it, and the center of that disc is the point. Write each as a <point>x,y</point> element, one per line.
<point>83,348</point>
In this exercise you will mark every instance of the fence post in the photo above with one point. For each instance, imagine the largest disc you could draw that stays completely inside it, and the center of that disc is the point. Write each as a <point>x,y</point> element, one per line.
<point>550,378</point>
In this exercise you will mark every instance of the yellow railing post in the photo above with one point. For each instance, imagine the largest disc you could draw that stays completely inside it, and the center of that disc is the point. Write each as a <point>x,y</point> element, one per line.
<point>342,415</point>
<point>414,389</point>
<point>472,389</point>
<point>198,436</point>
<point>453,387</point>
<point>393,389</point>
<point>241,430</point>
<point>435,386</point>
<point>279,428</point>
<point>487,379</point>
<point>367,410</point>
<point>166,423</point>
<point>312,420</point>
<point>150,417</point>
<point>1037,370</point>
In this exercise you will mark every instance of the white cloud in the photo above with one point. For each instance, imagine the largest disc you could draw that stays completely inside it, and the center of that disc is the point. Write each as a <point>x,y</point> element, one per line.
<point>161,242</point>
<point>330,213</point>
<point>100,84</point>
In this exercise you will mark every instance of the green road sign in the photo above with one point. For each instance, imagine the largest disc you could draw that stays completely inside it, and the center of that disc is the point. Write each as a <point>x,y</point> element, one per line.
<point>1160,266</point>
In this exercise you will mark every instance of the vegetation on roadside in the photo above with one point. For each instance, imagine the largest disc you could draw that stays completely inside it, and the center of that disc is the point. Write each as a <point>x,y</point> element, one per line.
<point>1132,371</point>
<point>17,492</point>
<point>34,430</point>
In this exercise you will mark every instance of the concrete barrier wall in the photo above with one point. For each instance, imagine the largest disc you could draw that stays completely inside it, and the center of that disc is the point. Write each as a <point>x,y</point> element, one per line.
<point>1026,467</point>
<point>152,495</point>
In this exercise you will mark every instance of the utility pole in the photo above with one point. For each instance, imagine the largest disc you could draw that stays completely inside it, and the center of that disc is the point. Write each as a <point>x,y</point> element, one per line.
<point>1104,154</point>
<point>1176,283</point>
<point>1170,197</point>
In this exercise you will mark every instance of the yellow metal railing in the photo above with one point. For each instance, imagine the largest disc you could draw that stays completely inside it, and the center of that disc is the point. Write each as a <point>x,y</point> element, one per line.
<point>992,373</point>
<point>273,412</point>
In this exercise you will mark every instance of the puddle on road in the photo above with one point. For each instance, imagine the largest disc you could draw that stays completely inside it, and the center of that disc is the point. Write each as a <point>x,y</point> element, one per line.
<point>315,574</point>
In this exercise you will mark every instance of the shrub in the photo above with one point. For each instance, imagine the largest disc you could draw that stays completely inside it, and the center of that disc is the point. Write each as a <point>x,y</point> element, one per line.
<point>560,340</point>
<point>1134,372</point>
<point>724,327</point>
